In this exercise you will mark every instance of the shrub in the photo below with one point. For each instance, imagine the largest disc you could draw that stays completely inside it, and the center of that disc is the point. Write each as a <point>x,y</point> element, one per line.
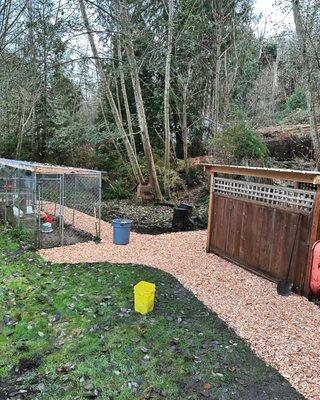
<point>192,176</point>
<point>172,179</point>
<point>238,143</point>
<point>297,100</point>
<point>19,233</point>
<point>116,190</point>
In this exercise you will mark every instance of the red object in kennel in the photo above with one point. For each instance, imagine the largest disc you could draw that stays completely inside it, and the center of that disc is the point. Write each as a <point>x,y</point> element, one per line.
<point>315,269</point>
<point>48,218</point>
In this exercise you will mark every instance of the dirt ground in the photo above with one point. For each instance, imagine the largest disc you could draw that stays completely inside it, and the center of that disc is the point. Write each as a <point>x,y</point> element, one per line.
<point>152,219</point>
<point>71,236</point>
<point>284,332</point>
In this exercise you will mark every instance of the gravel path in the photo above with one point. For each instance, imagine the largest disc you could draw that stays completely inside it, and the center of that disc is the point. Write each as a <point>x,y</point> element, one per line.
<point>283,331</point>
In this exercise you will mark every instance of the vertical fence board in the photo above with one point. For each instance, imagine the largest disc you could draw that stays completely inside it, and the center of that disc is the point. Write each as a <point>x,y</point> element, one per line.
<point>233,229</point>
<point>211,211</point>
<point>264,238</point>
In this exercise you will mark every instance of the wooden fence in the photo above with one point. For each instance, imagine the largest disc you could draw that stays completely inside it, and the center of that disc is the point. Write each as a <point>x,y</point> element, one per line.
<point>262,226</point>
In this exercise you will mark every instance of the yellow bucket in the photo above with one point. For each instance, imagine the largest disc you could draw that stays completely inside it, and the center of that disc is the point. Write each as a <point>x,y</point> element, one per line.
<point>144,293</point>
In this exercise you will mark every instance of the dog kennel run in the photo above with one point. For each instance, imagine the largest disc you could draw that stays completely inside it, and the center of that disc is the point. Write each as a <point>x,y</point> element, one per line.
<point>54,205</point>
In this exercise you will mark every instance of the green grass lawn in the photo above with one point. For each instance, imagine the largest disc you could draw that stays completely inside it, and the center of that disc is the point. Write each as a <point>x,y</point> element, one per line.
<point>70,332</point>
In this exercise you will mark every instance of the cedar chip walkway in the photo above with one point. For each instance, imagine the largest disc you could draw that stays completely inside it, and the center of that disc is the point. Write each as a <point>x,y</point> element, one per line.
<point>283,331</point>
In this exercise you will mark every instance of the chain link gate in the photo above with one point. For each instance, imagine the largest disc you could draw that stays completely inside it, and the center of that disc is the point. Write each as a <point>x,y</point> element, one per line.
<point>75,203</point>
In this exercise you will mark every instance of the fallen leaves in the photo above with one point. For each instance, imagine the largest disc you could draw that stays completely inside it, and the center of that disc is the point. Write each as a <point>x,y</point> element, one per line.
<point>56,317</point>
<point>144,349</point>
<point>65,368</point>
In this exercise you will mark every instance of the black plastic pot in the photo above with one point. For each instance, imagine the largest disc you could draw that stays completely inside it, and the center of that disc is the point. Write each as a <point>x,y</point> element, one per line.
<point>181,217</point>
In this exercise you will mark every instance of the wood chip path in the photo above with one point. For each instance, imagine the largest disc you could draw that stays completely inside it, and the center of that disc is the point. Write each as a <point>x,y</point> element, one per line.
<point>283,331</point>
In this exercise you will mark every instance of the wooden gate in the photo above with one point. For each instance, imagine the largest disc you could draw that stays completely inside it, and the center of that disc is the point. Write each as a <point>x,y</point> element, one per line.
<point>262,227</point>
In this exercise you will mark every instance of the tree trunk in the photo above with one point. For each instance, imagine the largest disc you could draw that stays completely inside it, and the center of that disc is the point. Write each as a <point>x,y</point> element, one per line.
<point>5,11</point>
<point>125,98</point>
<point>118,97</point>
<point>115,144</point>
<point>144,130</point>
<point>20,132</point>
<point>185,92</point>
<point>105,85</point>
<point>217,82</point>
<point>275,80</point>
<point>185,128</point>
<point>24,121</point>
<point>140,109</point>
<point>166,110</point>
<point>307,77</point>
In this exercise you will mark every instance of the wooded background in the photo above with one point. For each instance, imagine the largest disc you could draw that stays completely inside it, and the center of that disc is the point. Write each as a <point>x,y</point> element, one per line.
<point>137,87</point>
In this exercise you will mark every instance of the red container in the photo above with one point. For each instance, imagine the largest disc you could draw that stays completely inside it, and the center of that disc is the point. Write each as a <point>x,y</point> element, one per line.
<point>48,218</point>
<point>315,269</point>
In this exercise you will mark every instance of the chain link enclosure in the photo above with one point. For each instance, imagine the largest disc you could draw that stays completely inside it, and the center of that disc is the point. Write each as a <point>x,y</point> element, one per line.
<point>32,194</point>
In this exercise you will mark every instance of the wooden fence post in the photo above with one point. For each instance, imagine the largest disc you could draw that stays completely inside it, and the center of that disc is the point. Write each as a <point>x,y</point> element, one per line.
<point>313,237</point>
<point>210,211</point>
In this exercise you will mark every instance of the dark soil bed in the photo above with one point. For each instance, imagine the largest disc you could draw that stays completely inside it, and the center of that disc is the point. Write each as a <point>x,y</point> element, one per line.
<point>150,218</point>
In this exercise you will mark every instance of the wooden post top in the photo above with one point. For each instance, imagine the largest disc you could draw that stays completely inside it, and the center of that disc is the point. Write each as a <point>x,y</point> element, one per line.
<point>271,173</point>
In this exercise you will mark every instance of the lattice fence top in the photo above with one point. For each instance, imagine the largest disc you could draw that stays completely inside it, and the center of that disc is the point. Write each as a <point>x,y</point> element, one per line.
<point>282,196</point>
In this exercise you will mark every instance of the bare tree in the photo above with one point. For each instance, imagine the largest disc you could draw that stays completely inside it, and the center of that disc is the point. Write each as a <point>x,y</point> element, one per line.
<point>221,12</point>
<point>10,14</point>
<point>307,68</point>
<point>27,111</point>
<point>107,90</point>
<point>125,98</point>
<point>166,111</point>
<point>185,98</point>
<point>134,70</point>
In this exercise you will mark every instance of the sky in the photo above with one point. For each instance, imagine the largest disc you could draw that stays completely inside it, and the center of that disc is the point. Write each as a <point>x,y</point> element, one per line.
<point>274,18</point>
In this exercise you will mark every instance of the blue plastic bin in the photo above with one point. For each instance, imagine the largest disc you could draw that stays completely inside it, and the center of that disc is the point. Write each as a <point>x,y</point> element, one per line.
<point>121,230</point>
